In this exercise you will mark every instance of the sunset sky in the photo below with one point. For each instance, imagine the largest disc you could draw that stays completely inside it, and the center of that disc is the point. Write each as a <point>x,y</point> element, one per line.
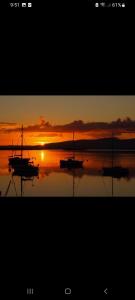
<point>53,118</point>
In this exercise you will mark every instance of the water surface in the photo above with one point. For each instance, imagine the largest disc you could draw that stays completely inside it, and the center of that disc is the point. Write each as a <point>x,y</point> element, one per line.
<point>53,181</point>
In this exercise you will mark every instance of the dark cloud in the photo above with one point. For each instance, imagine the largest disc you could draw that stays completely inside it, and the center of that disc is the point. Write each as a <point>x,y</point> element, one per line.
<point>118,126</point>
<point>100,133</point>
<point>7,124</point>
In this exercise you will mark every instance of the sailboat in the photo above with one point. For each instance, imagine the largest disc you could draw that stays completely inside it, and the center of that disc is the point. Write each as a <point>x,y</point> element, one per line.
<point>15,160</point>
<point>23,166</point>
<point>115,171</point>
<point>71,162</point>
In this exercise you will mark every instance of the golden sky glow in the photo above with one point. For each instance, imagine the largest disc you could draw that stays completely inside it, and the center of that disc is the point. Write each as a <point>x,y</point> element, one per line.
<point>49,119</point>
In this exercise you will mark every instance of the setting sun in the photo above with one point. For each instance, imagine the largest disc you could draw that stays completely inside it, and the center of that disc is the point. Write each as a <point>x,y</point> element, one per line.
<point>42,143</point>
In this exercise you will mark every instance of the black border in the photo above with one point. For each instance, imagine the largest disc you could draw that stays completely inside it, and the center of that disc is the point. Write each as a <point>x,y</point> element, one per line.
<point>75,51</point>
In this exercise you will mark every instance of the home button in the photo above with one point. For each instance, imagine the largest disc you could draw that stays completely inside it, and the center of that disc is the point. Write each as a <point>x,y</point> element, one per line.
<point>68,291</point>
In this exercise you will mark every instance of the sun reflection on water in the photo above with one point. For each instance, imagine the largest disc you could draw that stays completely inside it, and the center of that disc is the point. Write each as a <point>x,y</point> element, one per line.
<point>42,155</point>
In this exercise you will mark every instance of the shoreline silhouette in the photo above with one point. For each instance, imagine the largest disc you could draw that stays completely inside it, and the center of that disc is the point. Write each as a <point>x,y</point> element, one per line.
<point>104,144</point>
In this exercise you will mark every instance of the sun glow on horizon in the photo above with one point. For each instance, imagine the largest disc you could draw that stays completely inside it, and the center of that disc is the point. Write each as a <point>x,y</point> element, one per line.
<point>42,143</point>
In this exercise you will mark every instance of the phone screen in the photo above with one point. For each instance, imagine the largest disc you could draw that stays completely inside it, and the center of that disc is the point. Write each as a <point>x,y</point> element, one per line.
<point>67,149</point>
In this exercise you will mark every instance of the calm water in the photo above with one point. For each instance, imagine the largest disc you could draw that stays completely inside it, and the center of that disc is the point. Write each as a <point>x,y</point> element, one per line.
<point>53,181</point>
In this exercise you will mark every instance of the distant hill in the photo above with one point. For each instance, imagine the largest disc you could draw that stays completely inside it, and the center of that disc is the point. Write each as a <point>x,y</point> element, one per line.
<point>80,145</point>
<point>99,144</point>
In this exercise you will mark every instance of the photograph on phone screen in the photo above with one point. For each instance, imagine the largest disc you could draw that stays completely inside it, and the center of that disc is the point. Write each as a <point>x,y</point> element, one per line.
<point>72,146</point>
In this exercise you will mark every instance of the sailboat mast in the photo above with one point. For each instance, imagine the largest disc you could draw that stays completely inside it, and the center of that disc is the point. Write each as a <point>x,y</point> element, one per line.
<point>112,149</point>
<point>12,147</point>
<point>112,160</point>
<point>73,143</point>
<point>22,141</point>
<point>21,157</point>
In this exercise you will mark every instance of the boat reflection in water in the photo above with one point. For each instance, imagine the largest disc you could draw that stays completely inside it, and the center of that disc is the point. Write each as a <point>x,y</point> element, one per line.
<point>12,182</point>
<point>116,172</point>
<point>26,171</point>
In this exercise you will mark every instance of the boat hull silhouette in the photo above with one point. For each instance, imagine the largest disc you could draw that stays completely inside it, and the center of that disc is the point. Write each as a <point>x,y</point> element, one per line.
<point>71,163</point>
<point>116,172</point>
<point>18,161</point>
